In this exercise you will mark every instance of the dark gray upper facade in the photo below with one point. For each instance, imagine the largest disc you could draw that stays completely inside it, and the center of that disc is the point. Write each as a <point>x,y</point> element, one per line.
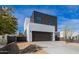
<point>41,18</point>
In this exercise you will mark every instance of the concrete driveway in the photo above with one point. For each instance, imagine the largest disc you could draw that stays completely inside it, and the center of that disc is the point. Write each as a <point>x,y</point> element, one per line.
<point>58,47</point>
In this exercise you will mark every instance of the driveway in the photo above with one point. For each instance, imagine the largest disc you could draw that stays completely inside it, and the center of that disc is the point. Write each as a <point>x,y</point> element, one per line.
<point>58,47</point>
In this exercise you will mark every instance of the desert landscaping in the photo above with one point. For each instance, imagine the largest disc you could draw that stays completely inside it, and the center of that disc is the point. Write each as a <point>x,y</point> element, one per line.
<point>45,47</point>
<point>22,48</point>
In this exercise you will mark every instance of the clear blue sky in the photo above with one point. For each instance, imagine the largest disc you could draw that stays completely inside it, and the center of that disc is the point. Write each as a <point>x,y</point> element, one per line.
<point>64,13</point>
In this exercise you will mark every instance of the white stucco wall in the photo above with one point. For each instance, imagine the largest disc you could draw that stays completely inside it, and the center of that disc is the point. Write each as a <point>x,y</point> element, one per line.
<point>28,34</point>
<point>3,41</point>
<point>27,20</point>
<point>39,27</point>
<point>62,34</point>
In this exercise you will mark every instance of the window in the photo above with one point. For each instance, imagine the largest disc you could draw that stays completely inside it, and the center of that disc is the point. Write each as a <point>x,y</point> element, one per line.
<point>38,19</point>
<point>50,22</point>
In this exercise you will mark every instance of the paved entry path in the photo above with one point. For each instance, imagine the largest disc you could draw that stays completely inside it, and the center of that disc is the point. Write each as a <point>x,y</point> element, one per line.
<point>59,47</point>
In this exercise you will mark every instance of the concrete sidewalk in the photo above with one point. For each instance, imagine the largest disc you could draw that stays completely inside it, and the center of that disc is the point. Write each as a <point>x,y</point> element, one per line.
<point>59,47</point>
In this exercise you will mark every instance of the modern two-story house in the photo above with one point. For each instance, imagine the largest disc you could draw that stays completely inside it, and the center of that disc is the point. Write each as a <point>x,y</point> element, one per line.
<point>40,27</point>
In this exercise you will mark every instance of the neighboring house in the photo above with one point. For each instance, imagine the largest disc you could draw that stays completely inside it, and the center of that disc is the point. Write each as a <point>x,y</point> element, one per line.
<point>61,35</point>
<point>40,27</point>
<point>75,35</point>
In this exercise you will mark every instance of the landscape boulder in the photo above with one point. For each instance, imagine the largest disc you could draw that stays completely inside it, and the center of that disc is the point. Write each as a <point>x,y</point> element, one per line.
<point>30,49</point>
<point>11,48</point>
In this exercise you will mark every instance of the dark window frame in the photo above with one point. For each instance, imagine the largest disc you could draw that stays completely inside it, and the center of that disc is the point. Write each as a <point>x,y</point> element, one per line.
<point>38,19</point>
<point>50,22</point>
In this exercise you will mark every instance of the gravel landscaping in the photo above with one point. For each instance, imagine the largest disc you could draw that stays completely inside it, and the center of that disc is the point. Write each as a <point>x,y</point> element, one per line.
<point>21,48</point>
<point>41,47</point>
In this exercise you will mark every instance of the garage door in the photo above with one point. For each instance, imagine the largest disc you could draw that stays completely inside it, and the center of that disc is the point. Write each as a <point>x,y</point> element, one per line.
<point>41,36</point>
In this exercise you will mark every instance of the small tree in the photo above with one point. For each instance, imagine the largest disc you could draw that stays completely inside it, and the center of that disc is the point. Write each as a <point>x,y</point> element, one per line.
<point>69,28</point>
<point>67,33</point>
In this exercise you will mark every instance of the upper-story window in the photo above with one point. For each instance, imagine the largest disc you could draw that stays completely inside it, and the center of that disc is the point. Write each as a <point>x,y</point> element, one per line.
<point>50,22</point>
<point>38,19</point>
